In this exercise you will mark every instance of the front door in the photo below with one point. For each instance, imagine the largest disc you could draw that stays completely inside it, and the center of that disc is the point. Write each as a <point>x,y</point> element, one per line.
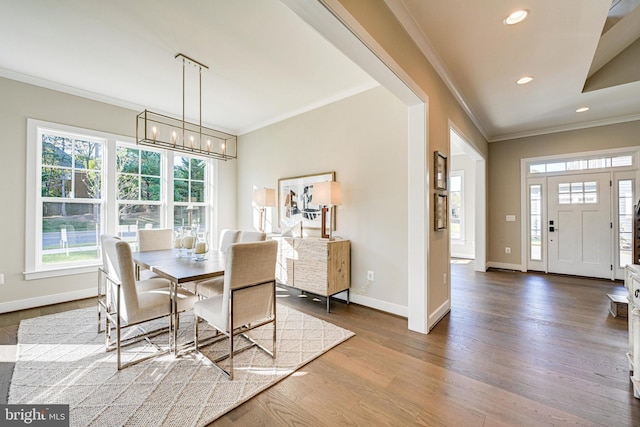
<point>579,225</point>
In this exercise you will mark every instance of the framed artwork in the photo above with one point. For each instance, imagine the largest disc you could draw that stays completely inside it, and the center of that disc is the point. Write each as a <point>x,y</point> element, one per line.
<point>440,171</point>
<point>441,212</point>
<point>295,201</point>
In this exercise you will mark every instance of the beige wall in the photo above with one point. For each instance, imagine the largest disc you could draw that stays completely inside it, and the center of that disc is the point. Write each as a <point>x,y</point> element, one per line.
<point>504,176</point>
<point>378,21</point>
<point>19,101</point>
<point>364,140</point>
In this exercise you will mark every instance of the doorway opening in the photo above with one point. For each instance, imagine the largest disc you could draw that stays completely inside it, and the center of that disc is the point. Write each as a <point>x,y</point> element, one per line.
<point>467,201</point>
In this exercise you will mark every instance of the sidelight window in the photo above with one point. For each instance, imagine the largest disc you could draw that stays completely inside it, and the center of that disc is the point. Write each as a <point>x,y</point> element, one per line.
<point>535,222</point>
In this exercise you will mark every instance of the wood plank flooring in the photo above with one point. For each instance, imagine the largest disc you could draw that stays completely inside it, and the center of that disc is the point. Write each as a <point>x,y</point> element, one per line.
<point>516,350</point>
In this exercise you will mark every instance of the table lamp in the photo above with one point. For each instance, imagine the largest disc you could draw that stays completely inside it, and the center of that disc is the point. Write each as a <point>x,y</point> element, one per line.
<point>264,198</point>
<point>327,194</point>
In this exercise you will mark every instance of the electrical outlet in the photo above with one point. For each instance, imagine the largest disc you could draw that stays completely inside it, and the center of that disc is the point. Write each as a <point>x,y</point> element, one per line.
<point>1,279</point>
<point>444,279</point>
<point>507,250</point>
<point>370,276</point>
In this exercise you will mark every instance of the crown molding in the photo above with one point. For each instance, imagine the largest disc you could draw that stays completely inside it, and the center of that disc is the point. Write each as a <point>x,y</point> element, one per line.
<point>70,90</point>
<point>402,14</point>
<point>48,84</point>
<point>565,128</point>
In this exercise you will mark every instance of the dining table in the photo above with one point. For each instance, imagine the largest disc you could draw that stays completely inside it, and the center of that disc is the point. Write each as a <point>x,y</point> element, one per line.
<point>179,269</point>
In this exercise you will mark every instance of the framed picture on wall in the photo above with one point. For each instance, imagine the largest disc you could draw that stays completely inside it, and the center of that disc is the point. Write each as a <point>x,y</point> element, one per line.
<point>440,171</point>
<point>295,201</point>
<point>441,212</point>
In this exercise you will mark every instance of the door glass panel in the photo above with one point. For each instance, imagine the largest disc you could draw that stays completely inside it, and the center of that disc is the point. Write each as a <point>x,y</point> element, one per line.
<point>578,193</point>
<point>564,199</point>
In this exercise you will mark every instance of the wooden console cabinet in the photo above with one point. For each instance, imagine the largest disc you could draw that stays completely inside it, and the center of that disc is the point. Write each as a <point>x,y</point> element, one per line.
<point>318,266</point>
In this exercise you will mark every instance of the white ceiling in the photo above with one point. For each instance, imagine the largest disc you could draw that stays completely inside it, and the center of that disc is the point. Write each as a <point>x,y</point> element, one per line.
<point>481,59</point>
<point>266,64</point>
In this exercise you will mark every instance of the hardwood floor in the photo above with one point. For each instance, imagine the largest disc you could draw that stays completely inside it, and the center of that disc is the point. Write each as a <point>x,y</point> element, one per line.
<point>517,349</point>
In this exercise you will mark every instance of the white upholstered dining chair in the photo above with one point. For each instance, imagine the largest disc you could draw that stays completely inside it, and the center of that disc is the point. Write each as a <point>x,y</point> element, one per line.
<point>248,299</point>
<point>131,302</point>
<point>252,236</point>
<point>104,297</point>
<point>153,239</point>
<point>211,287</point>
<point>227,238</point>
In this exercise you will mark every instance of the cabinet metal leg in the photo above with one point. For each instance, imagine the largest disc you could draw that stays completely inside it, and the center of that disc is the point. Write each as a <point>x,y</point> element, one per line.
<point>328,303</point>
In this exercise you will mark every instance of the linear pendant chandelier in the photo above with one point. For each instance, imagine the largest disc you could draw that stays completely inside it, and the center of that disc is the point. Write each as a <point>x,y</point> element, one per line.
<point>159,130</point>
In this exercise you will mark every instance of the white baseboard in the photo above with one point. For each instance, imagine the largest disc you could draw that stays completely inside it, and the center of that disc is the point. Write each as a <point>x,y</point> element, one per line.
<point>504,266</point>
<point>6,307</point>
<point>440,312</point>
<point>22,304</point>
<point>385,306</point>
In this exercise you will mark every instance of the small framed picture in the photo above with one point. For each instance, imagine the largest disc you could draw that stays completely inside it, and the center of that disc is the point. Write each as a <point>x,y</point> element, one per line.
<point>441,212</point>
<point>440,171</point>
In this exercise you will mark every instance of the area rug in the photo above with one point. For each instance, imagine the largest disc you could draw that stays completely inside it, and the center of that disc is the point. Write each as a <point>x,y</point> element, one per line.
<point>61,360</point>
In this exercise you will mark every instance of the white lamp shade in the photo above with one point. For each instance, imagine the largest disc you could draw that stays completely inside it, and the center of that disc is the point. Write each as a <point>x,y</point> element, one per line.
<point>327,193</point>
<point>264,197</point>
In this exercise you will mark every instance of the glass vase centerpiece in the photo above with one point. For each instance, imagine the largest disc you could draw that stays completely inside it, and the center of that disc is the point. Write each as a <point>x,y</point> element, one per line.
<point>202,245</point>
<point>188,241</point>
<point>177,241</point>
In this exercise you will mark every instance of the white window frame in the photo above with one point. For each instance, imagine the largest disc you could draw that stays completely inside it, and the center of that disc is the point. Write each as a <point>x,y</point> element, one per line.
<point>459,173</point>
<point>163,183</point>
<point>620,176</point>
<point>536,265</point>
<point>34,269</point>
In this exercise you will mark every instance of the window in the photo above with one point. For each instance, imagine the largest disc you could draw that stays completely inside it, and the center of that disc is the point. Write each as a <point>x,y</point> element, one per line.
<point>139,191</point>
<point>578,193</point>
<point>456,205</point>
<point>582,164</point>
<point>85,183</point>
<point>69,197</point>
<point>625,221</point>
<point>189,195</point>
<point>535,222</point>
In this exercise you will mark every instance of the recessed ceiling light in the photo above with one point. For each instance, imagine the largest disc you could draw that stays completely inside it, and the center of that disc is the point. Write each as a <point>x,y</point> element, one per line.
<point>524,80</point>
<point>516,17</point>
<point>582,109</point>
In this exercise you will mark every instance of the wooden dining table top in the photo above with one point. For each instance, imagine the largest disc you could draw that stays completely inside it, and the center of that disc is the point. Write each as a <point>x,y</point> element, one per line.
<point>166,263</point>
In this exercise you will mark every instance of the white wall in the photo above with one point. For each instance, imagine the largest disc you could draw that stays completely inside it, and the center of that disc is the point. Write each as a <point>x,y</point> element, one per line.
<point>465,248</point>
<point>19,101</point>
<point>364,140</point>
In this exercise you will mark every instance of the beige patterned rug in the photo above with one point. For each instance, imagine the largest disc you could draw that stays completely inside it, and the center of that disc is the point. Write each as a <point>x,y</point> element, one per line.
<point>61,359</point>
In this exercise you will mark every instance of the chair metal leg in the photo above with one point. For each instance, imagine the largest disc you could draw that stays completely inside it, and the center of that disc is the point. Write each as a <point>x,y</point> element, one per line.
<point>231,356</point>
<point>118,336</point>
<point>195,331</point>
